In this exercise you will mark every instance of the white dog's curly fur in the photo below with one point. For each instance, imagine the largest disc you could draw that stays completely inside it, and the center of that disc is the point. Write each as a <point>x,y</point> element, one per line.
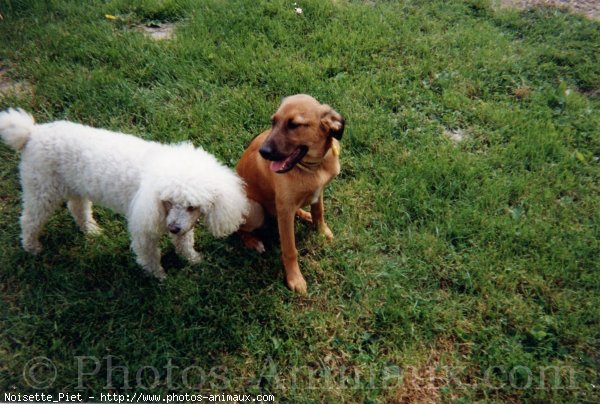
<point>158,187</point>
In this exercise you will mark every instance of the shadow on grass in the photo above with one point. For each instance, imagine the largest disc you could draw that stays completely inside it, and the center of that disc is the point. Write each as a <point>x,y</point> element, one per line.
<point>90,295</point>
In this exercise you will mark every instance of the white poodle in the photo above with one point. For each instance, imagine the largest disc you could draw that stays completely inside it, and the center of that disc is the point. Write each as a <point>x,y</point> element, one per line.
<point>158,187</point>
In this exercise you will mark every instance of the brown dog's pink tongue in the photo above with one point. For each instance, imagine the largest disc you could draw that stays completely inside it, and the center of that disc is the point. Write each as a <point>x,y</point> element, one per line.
<point>277,165</point>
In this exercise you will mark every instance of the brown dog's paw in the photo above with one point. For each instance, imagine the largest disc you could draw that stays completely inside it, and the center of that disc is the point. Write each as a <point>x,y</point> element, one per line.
<point>304,215</point>
<point>297,284</point>
<point>259,247</point>
<point>326,231</point>
<point>252,242</point>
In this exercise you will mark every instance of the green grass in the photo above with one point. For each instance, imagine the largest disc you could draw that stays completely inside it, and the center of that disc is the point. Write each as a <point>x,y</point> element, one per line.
<point>468,267</point>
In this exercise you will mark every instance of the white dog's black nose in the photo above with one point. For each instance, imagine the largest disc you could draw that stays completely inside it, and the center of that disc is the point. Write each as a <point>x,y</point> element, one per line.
<point>173,228</point>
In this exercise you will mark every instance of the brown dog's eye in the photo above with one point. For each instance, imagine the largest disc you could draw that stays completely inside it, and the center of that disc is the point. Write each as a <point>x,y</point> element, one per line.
<point>292,125</point>
<point>190,209</point>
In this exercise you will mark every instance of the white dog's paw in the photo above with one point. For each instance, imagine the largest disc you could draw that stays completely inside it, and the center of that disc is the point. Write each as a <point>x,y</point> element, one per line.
<point>92,229</point>
<point>158,273</point>
<point>32,246</point>
<point>195,258</point>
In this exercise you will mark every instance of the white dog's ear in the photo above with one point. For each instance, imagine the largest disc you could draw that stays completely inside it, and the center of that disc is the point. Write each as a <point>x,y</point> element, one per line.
<point>226,213</point>
<point>145,211</point>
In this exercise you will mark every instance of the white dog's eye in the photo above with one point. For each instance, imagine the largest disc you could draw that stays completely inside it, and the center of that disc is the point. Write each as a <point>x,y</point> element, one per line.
<point>191,209</point>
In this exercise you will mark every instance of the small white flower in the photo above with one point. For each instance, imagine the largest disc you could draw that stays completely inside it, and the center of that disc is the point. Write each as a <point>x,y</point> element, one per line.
<point>298,10</point>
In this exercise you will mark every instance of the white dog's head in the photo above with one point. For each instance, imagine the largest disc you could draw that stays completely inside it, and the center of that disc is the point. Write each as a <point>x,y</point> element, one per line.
<point>183,185</point>
<point>186,201</point>
<point>180,218</point>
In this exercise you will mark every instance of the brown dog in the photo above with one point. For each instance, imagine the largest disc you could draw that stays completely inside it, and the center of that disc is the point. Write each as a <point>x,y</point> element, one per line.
<point>286,168</point>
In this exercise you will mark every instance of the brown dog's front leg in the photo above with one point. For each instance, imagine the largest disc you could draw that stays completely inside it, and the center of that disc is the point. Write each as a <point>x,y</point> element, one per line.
<point>317,211</point>
<point>289,255</point>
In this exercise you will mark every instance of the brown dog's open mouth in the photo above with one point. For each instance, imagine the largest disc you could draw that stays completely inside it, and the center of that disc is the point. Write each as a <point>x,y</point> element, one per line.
<point>285,165</point>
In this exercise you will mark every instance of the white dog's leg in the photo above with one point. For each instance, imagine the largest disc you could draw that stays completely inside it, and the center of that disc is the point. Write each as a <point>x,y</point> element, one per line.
<point>37,208</point>
<point>81,210</point>
<point>184,245</point>
<point>148,254</point>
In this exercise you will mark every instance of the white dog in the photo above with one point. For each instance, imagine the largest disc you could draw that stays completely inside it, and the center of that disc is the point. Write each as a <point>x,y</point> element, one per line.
<point>158,187</point>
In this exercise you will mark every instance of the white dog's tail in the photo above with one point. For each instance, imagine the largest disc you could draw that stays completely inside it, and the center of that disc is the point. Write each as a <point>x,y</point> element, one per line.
<point>16,126</point>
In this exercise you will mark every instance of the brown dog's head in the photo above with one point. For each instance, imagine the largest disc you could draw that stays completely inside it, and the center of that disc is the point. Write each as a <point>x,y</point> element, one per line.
<point>301,127</point>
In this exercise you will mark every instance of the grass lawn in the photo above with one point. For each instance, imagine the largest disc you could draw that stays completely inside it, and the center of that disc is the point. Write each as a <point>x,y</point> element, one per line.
<point>460,269</point>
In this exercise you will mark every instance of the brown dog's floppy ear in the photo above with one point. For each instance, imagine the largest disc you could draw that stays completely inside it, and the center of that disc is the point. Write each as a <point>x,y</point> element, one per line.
<point>333,122</point>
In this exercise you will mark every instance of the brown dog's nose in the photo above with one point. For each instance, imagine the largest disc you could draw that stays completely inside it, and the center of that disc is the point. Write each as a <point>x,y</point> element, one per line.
<point>173,228</point>
<point>269,152</point>
<point>266,151</point>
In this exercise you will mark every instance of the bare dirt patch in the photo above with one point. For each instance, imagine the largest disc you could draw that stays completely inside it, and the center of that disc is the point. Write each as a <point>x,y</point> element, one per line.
<point>456,135</point>
<point>424,383</point>
<point>12,87</point>
<point>158,32</point>
<point>588,8</point>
